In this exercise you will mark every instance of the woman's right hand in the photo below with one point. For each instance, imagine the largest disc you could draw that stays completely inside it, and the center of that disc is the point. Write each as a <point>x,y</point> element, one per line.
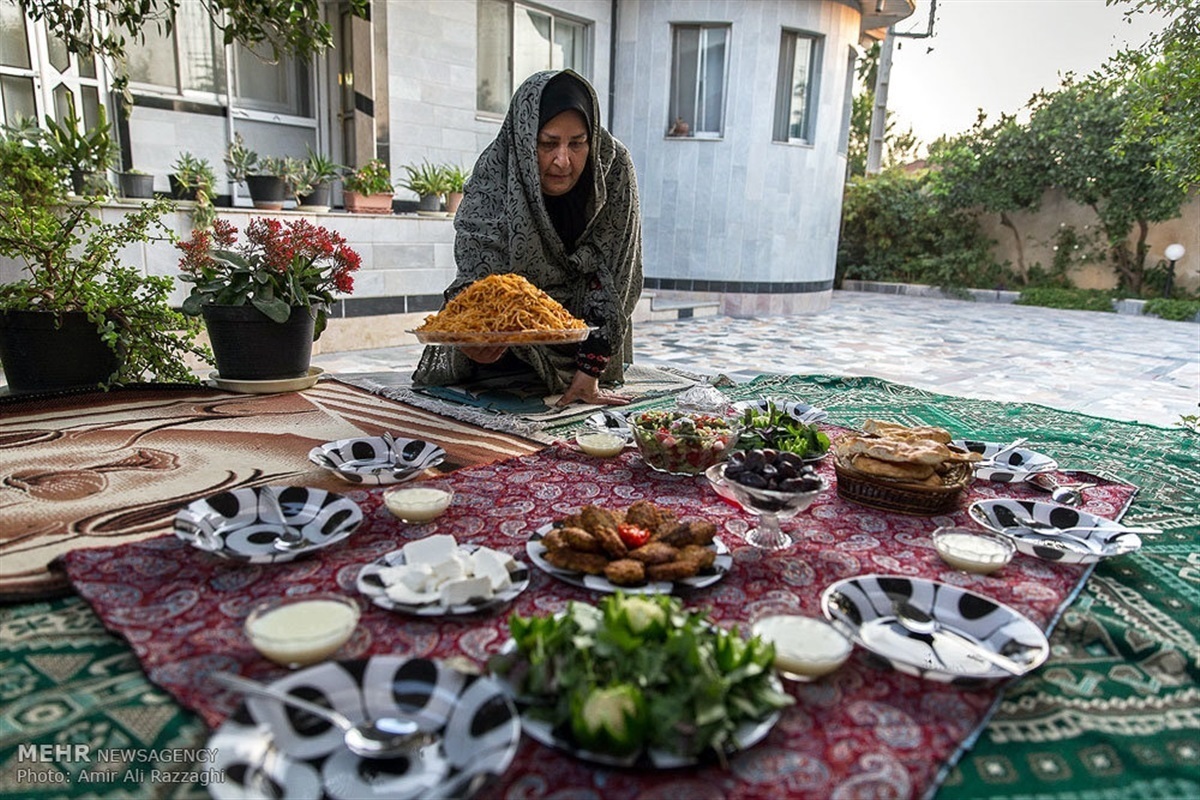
<point>484,353</point>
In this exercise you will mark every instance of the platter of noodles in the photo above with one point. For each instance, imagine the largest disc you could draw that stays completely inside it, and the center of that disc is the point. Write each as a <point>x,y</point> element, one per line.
<point>502,310</point>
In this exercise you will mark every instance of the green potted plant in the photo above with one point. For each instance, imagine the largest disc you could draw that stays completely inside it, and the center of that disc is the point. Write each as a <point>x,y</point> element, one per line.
<point>81,317</point>
<point>265,299</point>
<point>264,177</point>
<point>312,180</point>
<point>456,184</point>
<point>192,179</point>
<point>369,189</point>
<point>86,154</point>
<point>428,182</point>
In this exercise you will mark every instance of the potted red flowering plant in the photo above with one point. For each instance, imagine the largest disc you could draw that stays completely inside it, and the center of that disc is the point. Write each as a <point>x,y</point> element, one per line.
<point>265,299</point>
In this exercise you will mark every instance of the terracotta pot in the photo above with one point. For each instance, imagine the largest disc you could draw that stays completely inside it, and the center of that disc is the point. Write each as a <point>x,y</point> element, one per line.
<point>452,201</point>
<point>368,203</point>
<point>250,346</point>
<point>44,351</point>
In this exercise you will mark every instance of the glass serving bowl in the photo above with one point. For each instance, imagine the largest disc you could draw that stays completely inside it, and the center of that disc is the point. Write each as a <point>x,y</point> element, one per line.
<point>418,503</point>
<point>298,630</point>
<point>679,443</point>
<point>973,550</point>
<point>768,505</point>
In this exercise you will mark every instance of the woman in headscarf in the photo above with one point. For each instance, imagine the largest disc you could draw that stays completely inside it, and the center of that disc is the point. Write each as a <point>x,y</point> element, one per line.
<point>554,199</point>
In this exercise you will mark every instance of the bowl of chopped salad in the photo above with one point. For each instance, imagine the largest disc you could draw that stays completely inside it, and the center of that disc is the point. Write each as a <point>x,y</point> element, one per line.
<point>680,443</point>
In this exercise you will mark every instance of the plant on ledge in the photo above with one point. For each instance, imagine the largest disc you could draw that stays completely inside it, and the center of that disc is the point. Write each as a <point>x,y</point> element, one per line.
<point>74,264</point>
<point>276,268</point>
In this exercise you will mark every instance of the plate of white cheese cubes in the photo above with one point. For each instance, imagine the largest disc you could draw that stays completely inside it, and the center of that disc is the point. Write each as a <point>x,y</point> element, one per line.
<point>436,576</point>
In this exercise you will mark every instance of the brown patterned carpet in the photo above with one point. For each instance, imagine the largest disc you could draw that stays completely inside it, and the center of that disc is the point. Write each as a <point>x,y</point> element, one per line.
<point>64,460</point>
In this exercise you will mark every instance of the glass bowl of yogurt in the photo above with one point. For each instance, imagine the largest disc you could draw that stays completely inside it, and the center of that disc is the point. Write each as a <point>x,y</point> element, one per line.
<point>972,550</point>
<point>418,503</point>
<point>601,444</point>
<point>806,648</point>
<point>299,630</point>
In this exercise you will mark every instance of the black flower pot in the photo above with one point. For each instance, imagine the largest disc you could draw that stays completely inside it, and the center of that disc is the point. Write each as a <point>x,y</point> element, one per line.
<point>137,185</point>
<point>250,346</point>
<point>180,190</point>
<point>318,198</point>
<point>42,351</point>
<point>268,192</point>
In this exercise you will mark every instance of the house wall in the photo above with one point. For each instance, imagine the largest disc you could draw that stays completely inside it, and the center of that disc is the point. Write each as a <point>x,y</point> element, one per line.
<point>431,78</point>
<point>743,220</point>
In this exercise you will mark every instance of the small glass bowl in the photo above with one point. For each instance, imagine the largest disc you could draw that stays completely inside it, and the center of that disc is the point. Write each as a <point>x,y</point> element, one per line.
<point>418,503</point>
<point>973,550</point>
<point>599,443</point>
<point>298,630</point>
<point>806,648</point>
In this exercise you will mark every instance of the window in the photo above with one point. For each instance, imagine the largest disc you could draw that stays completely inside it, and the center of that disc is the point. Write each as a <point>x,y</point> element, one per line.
<point>699,67</point>
<point>514,41</point>
<point>847,101</point>
<point>16,67</point>
<point>190,61</point>
<point>796,91</point>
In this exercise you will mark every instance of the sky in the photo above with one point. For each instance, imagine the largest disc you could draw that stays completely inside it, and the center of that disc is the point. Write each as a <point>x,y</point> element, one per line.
<point>995,54</point>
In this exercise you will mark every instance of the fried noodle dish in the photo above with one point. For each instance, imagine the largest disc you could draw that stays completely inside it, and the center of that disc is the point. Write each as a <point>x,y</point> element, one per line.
<point>506,307</point>
<point>644,543</point>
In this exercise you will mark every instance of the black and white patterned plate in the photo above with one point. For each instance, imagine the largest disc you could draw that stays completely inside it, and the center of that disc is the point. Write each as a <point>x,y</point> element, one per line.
<point>1055,541</point>
<point>377,459</point>
<point>1016,465</point>
<point>864,608</point>
<point>746,736</point>
<point>370,584</point>
<point>598,583</point>
<point>610,421</point>
<point>803,412</point>
<point>243,524</point>
<point>267,749</point>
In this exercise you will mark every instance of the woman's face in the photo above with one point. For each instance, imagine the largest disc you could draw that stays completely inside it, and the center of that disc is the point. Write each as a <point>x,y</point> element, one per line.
<point>562,147</point>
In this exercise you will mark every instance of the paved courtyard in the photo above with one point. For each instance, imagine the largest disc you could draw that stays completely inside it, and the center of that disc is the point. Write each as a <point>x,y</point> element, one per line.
<point>1142,369</point>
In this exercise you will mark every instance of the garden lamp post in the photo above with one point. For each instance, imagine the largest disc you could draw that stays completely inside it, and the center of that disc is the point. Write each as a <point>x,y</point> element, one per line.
<point>1174,252</point>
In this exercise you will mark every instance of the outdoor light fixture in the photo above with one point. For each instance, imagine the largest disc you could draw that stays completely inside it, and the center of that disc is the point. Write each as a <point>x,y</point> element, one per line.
<point>1174,252</point>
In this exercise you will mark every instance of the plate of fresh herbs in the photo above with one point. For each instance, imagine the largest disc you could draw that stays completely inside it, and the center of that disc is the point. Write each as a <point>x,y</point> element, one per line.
<point>632,682</point>
<point>778,424</point>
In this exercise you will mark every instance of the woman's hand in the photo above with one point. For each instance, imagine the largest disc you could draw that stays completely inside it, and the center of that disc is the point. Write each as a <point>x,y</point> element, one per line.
<point>484,353</point>
<point>586,388</point>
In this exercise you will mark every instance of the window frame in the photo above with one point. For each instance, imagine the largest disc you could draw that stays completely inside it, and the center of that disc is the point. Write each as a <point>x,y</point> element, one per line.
<point>673,104</point>
<point>556,16</point>
<point>781,125</point>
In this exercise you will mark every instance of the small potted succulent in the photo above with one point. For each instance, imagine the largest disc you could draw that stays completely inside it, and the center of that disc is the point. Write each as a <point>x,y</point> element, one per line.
<point>265,299</point>
<point>192,180</point>
<point>369,189</point>
<point>86,154</point>
<point>264,177</point>
<point>429,183</point>
<point>311,181</point>
<point>456,184</point>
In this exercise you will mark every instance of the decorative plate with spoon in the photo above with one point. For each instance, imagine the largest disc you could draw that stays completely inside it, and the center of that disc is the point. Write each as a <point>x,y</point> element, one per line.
<point>380,460</point>
<point>267,524</point>
<point>934,630</point>
<point>467,732</point>
<point>1005,463</point>
<point>1056,532</point>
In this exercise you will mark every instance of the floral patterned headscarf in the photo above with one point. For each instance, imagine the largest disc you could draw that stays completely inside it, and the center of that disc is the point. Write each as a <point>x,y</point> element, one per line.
<point>503,226</point>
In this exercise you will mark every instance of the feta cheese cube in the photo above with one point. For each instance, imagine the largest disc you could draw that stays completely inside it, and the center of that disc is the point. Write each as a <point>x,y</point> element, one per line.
<point>463,590</point>
<point>491,564</point>
<point>431,550</point>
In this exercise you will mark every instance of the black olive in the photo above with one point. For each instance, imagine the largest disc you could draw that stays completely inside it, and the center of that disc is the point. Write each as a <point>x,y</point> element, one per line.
<point>751,479</point>
<point>791,459</point>
<point>768,471</point>
<point>769,455</point>
<point>790,485</point>
<point>737,457</point>
<point>786,470</point>
<point>734,468</point>
<point>754,459</point>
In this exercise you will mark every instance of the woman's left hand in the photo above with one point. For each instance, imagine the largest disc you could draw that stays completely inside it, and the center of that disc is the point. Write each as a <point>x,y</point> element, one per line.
<point>586,389</point>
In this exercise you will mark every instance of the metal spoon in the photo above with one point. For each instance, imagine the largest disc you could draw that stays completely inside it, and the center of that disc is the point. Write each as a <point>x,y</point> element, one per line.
<point>288,538</point>
<point>917,621</point>
<point>384,737</point>
<point>1070,495</point>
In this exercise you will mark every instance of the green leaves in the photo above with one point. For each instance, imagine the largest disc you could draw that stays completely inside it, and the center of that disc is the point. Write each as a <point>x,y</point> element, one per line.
<point>642,671</point>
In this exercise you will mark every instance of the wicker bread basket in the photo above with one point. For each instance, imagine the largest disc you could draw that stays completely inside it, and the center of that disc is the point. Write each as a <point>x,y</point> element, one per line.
<point>891,494</point>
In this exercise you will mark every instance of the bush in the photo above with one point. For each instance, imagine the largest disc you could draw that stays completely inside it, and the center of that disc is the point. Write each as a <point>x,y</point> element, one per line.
<point>894,230</point>
<point>1056,297</point>
<point>1178,310</point>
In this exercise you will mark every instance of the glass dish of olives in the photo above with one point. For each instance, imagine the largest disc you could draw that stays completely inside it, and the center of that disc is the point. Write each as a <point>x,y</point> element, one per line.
<point>770,484</point>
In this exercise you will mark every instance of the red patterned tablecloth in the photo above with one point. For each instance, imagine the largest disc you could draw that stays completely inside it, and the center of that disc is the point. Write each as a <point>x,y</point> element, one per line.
<point>864,731</point>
